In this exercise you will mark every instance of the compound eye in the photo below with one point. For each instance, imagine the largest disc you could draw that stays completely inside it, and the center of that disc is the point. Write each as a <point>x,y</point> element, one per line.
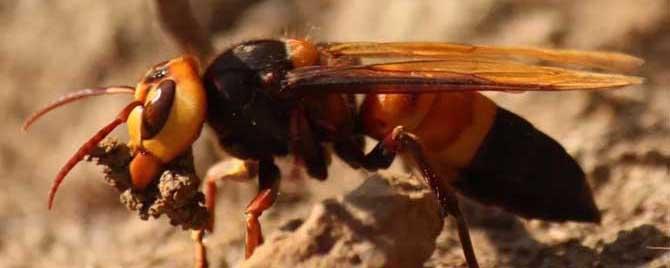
<point>157,108</point>
<point>158,73</point>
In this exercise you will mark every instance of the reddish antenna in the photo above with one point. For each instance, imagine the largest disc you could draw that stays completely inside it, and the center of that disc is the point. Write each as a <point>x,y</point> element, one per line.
<point>87,147</point>
<point>74,96</point>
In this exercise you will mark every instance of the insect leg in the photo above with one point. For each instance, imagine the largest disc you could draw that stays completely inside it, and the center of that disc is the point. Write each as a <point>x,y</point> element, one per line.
<point>232,169</point>
<point>305,146</point>
<point>268,188</point>
<point>401,141</point>
<point>200,249</point>
<point>350,150</point>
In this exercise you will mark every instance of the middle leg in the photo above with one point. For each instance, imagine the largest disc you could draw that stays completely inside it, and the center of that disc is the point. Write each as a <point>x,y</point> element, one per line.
<point>268,188</point>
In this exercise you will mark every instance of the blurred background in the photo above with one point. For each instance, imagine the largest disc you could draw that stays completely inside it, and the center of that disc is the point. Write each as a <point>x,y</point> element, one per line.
<point>48,48</point>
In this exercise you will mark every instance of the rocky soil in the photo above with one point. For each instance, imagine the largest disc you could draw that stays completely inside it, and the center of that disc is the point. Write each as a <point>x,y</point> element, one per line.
<point>621,138</point>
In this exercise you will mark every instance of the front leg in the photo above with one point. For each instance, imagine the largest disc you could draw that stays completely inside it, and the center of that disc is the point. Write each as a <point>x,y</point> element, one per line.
<point>231,169</point>
<point>401,141</point>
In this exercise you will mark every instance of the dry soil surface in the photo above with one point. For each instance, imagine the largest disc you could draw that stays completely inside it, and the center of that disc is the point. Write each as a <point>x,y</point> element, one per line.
<point>621,137</point>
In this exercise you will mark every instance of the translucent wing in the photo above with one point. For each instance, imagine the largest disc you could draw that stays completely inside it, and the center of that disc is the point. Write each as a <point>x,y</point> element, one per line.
<point>453,74</point>
<point>425,50</point>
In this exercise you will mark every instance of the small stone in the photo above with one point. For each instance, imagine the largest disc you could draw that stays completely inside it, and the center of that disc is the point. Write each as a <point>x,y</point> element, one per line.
<point>631,248</point>
<point>383,223</point>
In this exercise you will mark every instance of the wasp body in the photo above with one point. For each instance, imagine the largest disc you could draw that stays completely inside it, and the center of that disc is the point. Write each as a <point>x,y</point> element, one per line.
<point>271,98</point>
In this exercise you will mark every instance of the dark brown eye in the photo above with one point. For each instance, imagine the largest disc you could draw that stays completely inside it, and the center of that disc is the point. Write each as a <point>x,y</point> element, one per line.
<point>157,109</point>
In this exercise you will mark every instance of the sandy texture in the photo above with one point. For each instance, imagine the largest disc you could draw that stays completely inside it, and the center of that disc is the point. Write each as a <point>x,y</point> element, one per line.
<point>175,194</point>
<point>385,222</point>
<point>621,138</point>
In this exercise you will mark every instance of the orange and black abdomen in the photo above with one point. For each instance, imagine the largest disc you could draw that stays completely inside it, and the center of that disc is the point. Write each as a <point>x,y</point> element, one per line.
<point>487,152</point>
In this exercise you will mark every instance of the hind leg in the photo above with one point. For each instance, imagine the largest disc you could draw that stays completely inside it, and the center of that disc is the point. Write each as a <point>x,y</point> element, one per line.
<point>404,142</point>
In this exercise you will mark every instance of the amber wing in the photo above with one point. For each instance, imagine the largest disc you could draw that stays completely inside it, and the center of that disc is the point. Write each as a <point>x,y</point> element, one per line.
<point>438,67</point>
<point>597,59</point>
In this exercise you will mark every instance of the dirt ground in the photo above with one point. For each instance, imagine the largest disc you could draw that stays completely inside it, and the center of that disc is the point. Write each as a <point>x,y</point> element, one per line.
<point>47,48</point>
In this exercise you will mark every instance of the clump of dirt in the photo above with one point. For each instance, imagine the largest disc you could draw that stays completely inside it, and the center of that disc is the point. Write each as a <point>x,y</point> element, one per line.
<point>633,248</point>
<point>387,221</point>
<point>174,194</point>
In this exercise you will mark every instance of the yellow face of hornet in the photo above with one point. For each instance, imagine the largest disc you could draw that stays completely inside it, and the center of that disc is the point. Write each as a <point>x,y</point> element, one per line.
<point>169,120</point>
<point>165,118</point>
<point>173,109</point>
